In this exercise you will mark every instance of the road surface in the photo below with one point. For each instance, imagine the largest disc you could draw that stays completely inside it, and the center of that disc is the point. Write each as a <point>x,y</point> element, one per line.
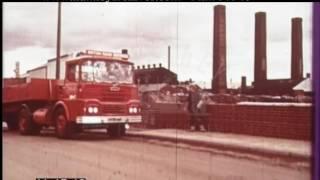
<point>95,156</point>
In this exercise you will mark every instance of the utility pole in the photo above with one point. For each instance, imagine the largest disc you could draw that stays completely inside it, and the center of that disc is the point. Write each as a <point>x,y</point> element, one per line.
<point>58,42</point>
<point>17,69</point>
<point>168,57</point>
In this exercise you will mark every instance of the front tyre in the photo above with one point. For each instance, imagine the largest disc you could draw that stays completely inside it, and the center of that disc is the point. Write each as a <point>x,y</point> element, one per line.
<point>64,129</point>
<point>26,125</point>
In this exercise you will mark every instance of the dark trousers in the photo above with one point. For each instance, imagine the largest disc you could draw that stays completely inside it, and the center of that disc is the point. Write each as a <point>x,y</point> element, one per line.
<point>198,119</point>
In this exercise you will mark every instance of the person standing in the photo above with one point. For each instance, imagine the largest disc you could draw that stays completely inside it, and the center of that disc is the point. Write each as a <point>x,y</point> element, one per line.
<point>202,109</point>
<point>193,100</point>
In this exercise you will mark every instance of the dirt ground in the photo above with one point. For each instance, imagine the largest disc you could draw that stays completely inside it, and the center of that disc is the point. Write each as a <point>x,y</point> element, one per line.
<point>95,156</point>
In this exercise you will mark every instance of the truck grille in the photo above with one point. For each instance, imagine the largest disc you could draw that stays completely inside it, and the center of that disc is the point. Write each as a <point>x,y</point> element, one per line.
<point>114,109</point>
<point>104,93</point>
<point>115,96</point>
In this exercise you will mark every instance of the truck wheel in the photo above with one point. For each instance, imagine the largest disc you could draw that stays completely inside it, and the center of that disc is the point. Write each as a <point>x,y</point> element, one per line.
<point>116,130</point>
<point>26,125</point>
<point>63,127</point>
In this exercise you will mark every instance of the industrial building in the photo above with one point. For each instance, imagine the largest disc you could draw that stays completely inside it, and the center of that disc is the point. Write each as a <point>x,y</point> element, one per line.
<point>154,75</point>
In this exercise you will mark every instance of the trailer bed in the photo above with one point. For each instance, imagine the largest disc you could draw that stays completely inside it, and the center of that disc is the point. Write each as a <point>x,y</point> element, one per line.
<point>22,89</point>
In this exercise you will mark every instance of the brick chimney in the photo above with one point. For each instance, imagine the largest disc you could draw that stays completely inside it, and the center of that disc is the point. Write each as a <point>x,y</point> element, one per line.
<point>296,49</point>
<point>219,82</point>
<point>260,51</point>
<point>243,82</point>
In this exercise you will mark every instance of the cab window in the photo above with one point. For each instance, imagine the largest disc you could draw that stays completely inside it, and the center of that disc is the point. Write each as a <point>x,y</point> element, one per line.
<point>73,72</point>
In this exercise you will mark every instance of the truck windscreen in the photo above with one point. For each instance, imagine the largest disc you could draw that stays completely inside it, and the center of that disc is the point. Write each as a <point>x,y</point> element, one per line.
<point>106,71</point>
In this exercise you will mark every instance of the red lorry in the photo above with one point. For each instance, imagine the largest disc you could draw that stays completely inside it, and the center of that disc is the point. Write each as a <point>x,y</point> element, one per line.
<point>97,91</point>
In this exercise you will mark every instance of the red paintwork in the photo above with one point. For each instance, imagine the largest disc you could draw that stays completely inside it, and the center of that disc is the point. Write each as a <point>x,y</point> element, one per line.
<point>36,89</point>
<point>104,92</point>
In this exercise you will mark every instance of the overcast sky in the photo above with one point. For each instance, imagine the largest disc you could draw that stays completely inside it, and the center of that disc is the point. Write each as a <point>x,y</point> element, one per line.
<point>146,30</point>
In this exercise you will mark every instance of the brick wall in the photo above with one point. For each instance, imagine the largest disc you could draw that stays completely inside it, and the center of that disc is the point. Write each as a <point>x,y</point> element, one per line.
<point>293,122</point>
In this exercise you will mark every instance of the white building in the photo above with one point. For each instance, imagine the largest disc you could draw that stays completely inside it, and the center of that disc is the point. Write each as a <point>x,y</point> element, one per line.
<point>48,71</point>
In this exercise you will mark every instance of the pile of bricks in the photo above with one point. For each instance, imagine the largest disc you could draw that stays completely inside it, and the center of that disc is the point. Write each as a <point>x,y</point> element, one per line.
<point>293,122</point>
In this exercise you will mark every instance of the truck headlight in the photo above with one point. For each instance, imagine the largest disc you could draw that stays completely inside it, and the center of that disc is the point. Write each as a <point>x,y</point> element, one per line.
<point>95,110</point>
<point>72,96</point>
<point>133,109</point>
<point>90,109</point>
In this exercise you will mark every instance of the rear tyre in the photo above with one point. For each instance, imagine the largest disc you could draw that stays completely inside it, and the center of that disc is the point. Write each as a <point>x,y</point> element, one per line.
<point>26,125</point>
<point>116,130</point>
<point>64,129</point>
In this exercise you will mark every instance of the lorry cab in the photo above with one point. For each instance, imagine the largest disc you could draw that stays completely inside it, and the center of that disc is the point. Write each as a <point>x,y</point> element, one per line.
<point>103,83</point>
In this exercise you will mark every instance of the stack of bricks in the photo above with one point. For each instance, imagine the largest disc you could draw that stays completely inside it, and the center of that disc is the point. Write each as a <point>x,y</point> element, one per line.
<point>292,122</point>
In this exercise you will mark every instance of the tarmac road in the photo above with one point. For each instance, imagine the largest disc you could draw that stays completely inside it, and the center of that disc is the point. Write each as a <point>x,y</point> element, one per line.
<point>95,156</point>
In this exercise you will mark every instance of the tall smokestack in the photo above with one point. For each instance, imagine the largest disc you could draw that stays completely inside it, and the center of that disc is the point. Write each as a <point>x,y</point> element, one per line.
<point>124,51</point>
<point>296,49</point>
<point>219,82</point>
<point>243,82</point>
<point>169,58</point>
<point>260,53</point>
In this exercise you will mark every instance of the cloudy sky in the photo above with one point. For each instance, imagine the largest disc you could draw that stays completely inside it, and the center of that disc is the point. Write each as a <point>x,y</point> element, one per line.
<point>146,30</point>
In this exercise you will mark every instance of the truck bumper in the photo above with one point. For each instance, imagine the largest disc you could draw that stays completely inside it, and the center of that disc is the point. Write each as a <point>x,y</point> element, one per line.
<point>108,119</point>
